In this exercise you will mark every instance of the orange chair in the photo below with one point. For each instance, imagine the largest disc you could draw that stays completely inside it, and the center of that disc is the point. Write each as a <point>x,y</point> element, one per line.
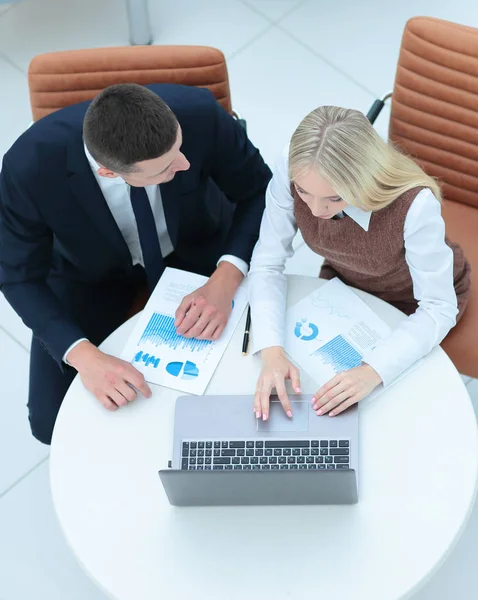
<point>434,118</point>
<point>59,79</point>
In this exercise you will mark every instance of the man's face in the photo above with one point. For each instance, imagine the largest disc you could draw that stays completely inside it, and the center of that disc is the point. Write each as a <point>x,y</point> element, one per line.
<point>154,171</point>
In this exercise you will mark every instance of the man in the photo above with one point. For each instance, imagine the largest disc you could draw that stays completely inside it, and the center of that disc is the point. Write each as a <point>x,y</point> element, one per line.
<point>95,200</point>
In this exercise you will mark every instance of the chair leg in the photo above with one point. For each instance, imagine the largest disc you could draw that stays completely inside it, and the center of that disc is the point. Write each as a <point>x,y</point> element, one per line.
<point>138,20</point>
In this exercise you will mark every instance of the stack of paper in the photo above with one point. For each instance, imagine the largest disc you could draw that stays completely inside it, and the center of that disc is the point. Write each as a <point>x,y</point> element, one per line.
<point>163,356</point>
<point>330,331</point>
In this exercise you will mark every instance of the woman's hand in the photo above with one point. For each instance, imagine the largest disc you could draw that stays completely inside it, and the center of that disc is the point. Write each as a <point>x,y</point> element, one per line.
<point>345,389</point>
<point>276,368</point>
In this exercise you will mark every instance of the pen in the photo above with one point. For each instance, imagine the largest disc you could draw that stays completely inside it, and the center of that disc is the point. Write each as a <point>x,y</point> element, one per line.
<point>245,342</point>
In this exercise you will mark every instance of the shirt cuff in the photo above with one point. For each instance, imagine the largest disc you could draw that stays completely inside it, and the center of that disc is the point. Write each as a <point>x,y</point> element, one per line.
<point>265,343</point>
<point>237,262</point>
<point>71,348</point>
<point>264,335</point>
<point>393,355</point>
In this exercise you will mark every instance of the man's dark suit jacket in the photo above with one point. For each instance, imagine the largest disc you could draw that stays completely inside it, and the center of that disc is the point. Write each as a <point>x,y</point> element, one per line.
<point>54,220</point>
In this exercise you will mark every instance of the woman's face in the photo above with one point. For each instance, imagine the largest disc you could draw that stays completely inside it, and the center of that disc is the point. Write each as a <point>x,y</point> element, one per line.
<point>319,196</point>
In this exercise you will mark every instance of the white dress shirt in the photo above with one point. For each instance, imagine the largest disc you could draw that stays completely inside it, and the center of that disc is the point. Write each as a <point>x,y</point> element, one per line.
<point>117,195</point>
<point>429,259</point>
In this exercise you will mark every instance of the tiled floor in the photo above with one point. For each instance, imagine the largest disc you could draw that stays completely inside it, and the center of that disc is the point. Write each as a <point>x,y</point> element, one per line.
<point>284,57</point>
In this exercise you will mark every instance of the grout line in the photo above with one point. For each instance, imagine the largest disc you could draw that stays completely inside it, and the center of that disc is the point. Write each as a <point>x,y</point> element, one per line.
<point>249,42</point>
<point>6,332</point>
<point>290,11</point>
<point>11,63</point>
<point>256,10</point>
<point>250,5</point>
<point>24,476</point>
<point>325,60</point>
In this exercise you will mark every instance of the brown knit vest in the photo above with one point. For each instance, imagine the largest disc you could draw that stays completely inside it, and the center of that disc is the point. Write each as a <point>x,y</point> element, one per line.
<point>373,260</point>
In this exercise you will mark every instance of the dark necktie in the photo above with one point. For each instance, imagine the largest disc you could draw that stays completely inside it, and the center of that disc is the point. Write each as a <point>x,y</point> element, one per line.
<point>148,236</point>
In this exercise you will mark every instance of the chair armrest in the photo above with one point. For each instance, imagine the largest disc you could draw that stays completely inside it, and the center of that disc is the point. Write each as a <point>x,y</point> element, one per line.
<point>376,107</point>
<point>239,119</point>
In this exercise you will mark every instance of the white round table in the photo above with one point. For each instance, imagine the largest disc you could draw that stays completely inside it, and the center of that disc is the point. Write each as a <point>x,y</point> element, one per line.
<point>418,455</point>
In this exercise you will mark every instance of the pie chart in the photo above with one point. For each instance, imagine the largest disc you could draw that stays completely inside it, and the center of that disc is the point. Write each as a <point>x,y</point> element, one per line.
<point>306,331</point>
<point>187,370</point>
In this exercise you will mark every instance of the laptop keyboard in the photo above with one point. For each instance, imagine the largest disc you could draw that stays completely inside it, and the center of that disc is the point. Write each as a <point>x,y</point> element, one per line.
<point>218,455</point>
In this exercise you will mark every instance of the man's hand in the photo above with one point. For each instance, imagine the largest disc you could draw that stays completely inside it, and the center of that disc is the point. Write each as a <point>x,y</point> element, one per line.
<point>204,313</point>
<point>345,389</point>
<point>109,378</point>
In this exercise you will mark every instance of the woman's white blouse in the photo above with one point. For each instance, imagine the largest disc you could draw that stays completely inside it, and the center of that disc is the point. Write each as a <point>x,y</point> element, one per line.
<point>429,259</point>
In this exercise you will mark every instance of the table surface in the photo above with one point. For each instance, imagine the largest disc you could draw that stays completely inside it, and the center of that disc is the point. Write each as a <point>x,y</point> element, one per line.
<point>418,472</point>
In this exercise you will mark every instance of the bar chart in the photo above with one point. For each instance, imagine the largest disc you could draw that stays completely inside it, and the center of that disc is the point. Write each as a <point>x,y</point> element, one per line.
<point>338,354</point>
<point>147,359</point>
<point>160,331</point>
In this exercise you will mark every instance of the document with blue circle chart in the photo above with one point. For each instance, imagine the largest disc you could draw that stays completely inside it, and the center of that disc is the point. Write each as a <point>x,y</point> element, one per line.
<point>331,331</point>
<point>163,356</point>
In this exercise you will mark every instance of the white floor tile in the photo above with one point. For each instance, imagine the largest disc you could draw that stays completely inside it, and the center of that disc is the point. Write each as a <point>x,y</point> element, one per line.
<point>35,26</point>
<point>458,577</point>
<point>11,322</point>
<point>277,91</point>
<point>4,7</point>
<point>363,38</point>
<point>273,9</point>
<point>48,25</point>
<point>19,451</point>
<point>304,262</point>
<point>15,113</point>
<point>35,560</point>
<point>228,26</point>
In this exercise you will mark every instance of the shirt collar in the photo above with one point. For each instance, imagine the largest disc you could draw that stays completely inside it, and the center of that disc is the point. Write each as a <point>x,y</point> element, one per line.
<point>361,217</point>
<point>106,181</point>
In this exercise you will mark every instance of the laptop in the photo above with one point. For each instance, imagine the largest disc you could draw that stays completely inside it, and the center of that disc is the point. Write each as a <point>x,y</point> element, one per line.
<point>224,456</point>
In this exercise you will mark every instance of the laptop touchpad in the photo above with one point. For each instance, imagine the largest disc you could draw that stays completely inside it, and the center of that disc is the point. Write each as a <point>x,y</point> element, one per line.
<point>278,421</point>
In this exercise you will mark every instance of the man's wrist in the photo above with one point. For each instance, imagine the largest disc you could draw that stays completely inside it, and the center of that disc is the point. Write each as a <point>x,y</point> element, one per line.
<point>236,261</point>
<point>80,353</point>
<point>227,272</point>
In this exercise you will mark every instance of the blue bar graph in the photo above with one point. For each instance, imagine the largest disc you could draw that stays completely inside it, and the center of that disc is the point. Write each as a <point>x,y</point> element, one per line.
<point>160,331</point>
<point>339,354</point>
<point>147,359</point>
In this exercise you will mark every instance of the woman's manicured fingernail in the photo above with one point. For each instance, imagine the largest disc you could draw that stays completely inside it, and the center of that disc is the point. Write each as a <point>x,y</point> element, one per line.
<point>332,414</point>
<point>314,399</point>
<point>315,407</point>
<point>297,389</point>
<point>289,414</point>
<point>320,412</point>
<point>264,417</point>
<point>258,414</point>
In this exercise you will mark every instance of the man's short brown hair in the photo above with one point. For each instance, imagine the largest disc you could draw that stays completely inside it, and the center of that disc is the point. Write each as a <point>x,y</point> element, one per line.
<point>126,124</point>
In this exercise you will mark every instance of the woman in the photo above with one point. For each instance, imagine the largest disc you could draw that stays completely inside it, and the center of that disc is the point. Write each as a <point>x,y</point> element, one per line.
<point>374,215</point>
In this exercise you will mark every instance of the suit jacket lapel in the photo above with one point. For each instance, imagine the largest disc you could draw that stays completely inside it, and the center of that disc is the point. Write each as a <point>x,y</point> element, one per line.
<point>85,189</point>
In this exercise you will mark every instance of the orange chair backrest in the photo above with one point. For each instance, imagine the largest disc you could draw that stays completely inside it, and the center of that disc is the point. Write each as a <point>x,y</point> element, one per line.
<point>59,79</point>
<point>435,103</point>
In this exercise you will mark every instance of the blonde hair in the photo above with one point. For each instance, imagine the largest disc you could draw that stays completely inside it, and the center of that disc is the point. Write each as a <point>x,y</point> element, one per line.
<point>342,147</point>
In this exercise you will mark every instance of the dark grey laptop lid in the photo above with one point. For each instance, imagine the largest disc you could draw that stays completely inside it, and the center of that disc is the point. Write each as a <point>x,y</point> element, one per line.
<point>255,488</point>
